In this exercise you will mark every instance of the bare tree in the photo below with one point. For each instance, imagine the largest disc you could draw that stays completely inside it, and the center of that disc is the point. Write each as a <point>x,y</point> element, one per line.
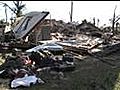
<point>5,12</point>
<point>114,21</point>
<point>5,5</point>
<point>18,8</point>
<point>94,21</point>
<point>98,21</point>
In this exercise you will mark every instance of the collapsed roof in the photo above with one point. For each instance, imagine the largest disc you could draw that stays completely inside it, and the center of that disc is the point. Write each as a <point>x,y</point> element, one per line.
<point>27,24</point>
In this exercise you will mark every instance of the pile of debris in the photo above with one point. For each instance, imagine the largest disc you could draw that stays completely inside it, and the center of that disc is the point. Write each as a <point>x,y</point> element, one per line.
<point>23,68</point>
<point>69,38</point>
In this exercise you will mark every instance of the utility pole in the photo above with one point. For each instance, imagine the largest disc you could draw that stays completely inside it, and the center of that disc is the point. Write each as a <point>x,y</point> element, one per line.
<point>71,14</point>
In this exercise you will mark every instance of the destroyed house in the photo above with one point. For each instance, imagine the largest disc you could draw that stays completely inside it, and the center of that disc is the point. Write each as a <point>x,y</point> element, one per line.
<point>89,29</point>
<point>31,26</point>
<point>41,32</point>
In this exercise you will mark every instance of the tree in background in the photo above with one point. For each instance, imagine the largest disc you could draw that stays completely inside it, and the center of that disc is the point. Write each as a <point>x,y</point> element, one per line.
<point>19,6</point>
<point>17,10</point>
<point>114,20</point>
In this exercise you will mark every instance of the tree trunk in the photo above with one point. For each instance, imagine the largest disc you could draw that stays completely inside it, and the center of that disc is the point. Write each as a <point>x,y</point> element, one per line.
<point>113,23</point>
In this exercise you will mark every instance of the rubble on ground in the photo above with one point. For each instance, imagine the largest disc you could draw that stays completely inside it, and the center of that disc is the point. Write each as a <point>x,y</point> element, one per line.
<point>22,67</point>
<point>71,40</point>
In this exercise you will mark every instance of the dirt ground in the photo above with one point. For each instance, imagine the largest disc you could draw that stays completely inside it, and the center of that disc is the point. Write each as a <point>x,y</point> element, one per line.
<point>90,74</point>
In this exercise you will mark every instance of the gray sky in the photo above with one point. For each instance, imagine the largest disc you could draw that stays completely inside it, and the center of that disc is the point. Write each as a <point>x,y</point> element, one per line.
<point>59,10</point>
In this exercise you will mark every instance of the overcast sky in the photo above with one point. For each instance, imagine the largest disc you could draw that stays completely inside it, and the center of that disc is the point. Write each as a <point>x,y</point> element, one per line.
<point>59,10</point>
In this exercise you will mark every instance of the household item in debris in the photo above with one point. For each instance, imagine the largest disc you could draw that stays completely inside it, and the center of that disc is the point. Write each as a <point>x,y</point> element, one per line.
<point>25,81</point>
